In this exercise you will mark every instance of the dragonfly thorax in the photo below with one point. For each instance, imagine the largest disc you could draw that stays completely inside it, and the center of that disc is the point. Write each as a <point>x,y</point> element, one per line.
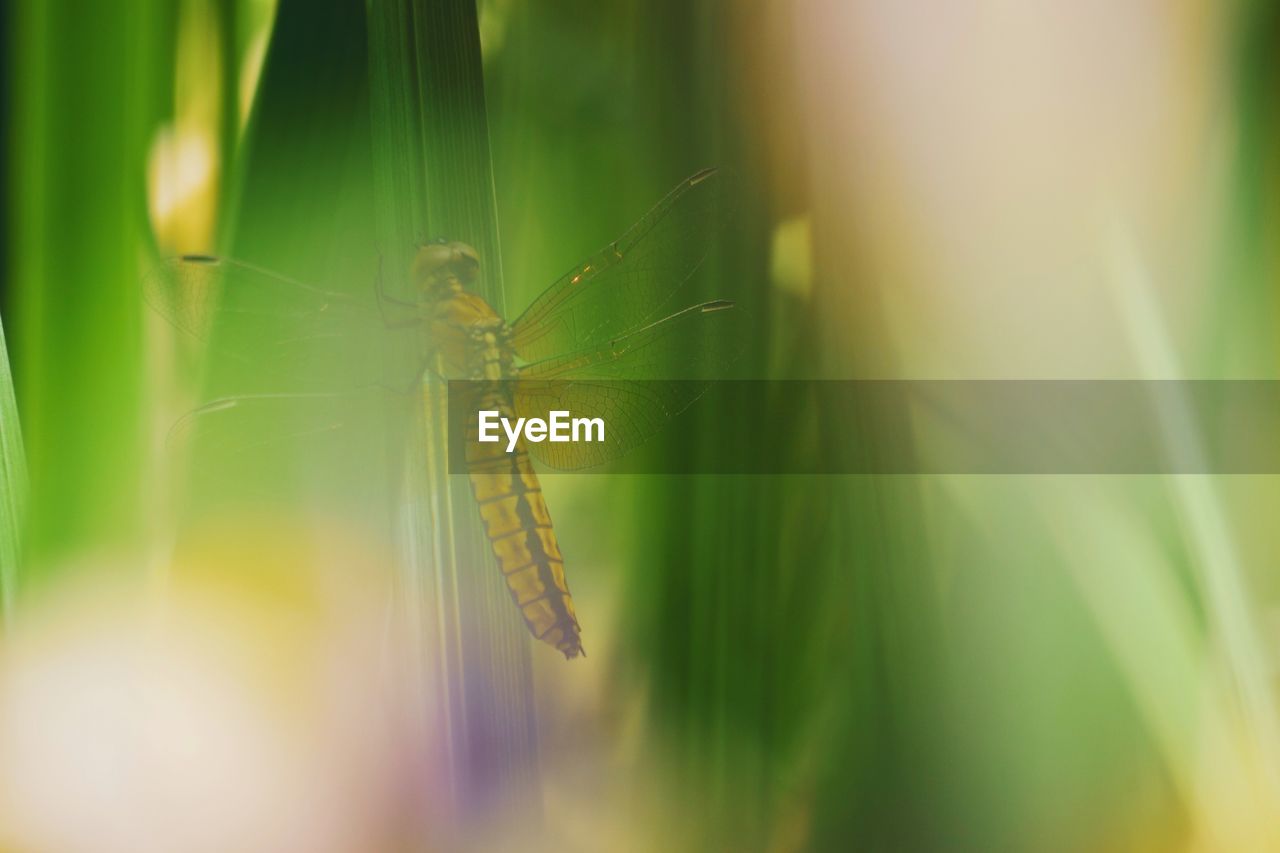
<point>490,355</point>
<point>468,334</point>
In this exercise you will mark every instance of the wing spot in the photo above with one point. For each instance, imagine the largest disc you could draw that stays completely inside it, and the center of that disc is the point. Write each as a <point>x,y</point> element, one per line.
<point>702,176</point>
<point>717,305</point>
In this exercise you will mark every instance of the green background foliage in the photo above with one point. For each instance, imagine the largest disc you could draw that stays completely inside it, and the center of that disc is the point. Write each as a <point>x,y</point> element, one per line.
<point>819,662</point>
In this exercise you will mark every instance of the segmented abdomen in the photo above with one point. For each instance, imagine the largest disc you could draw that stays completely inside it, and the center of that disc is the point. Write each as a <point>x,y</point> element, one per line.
<point>519,528</point>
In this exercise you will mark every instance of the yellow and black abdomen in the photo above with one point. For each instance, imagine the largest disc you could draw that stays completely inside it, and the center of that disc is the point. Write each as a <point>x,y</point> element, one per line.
<point>516,520</point>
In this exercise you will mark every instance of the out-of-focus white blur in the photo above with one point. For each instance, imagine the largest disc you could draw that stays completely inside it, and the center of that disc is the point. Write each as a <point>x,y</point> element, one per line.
<point>245,699</point>
<point>965,160</point>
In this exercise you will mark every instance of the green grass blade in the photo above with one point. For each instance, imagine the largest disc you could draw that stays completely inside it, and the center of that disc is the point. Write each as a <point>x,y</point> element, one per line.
<point>434,179</point>
<point>13,484</point>
<point>85,103</point>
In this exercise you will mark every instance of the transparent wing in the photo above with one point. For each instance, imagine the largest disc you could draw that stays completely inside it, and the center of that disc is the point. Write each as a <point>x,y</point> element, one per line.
<point>629,282</point>
<point>276,441</point>
<point>279,327</point>
<point>189,290</point>
<point>699,342</point>
<point>613,381</point>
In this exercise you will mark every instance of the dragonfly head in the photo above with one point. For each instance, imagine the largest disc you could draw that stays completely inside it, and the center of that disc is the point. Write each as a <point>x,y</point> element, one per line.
<point>442,267</point>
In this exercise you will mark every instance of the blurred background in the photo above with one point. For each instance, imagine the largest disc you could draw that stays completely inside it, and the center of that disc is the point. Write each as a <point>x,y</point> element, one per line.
<point>304,646</point>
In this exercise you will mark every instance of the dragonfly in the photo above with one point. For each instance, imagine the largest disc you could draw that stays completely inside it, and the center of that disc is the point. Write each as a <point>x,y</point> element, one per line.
<point>613,317</point>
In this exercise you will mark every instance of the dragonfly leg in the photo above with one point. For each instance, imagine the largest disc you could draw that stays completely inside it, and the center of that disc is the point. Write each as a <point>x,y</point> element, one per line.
<point>387,301</point>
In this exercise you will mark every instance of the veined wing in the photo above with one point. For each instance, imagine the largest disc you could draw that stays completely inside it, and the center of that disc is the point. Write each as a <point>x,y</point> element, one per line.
<point>627,283</point>
<point>264,442</point>
<point>280,327</point>
<point>693,346</point>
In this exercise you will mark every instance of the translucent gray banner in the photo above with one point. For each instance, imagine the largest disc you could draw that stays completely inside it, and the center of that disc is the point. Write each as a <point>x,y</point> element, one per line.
<point>882,427</point>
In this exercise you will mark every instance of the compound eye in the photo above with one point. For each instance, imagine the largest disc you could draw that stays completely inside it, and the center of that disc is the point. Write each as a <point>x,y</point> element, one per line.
<point>430,260</point>
<point>466,262</point>
<point>439,261</point>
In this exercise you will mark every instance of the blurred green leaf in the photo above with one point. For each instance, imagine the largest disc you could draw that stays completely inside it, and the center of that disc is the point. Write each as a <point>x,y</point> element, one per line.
<point>13,484</point>
<point>85,104</point>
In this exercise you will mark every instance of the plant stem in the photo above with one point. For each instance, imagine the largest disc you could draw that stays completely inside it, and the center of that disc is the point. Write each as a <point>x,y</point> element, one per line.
<point>434,179</point>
